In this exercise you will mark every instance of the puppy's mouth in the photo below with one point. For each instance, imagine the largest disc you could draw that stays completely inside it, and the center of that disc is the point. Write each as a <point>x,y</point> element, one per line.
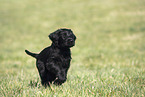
<point>70,43</point>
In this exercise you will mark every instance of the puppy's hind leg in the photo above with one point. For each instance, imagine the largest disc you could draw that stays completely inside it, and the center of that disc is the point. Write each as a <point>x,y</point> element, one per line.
<point>42,72</point>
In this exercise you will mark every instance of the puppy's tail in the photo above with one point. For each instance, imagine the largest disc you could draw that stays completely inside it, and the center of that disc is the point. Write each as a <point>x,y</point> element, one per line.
<point>31,54</point>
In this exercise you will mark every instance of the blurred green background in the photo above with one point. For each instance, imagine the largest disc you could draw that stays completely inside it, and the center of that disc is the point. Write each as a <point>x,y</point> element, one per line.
<point>109,56</point>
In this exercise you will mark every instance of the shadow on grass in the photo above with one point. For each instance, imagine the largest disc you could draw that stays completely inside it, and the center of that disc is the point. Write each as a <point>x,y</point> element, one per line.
<point>34,83</point>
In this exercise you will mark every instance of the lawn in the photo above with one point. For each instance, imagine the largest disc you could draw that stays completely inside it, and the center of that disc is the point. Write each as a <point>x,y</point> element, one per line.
<point>107,60</point>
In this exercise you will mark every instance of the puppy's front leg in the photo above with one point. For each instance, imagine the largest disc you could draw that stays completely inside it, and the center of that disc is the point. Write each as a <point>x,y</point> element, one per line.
<point>61,77</point>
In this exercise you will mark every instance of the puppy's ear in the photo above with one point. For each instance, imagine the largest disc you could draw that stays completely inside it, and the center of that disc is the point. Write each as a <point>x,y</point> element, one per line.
<point>54,36</point>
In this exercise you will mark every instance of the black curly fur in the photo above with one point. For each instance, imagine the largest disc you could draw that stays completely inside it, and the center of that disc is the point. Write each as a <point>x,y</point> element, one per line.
<point>53,62</point>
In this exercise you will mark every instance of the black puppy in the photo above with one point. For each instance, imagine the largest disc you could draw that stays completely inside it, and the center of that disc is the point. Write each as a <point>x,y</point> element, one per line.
<point>54,61</point>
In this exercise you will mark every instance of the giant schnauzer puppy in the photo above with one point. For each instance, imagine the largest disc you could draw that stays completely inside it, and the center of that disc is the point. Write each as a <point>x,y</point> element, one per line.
<point>53,62</point>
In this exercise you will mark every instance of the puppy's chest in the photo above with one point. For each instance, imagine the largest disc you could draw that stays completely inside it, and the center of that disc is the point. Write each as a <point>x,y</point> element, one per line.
<point>65,60</point>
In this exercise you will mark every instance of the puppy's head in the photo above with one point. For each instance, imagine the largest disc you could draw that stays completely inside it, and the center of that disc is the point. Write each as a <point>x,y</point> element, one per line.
<point>63,38</point>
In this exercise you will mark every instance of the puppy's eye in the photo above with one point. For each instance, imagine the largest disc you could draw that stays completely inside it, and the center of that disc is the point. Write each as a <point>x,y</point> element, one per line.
<point>64,35</point>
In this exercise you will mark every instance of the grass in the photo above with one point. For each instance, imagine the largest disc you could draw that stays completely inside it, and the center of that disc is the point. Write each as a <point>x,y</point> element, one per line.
<point>108,59</point>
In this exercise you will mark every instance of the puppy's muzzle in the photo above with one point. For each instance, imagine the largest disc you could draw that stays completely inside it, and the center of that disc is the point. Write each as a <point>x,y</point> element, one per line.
<point>70,42</point>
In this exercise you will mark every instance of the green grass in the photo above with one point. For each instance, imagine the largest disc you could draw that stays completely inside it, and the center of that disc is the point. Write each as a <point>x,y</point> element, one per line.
<point>108,59</point>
